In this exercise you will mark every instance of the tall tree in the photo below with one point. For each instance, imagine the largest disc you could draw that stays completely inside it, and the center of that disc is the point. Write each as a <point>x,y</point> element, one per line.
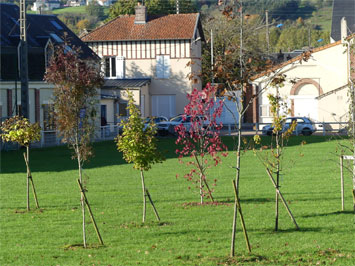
<point>75,94</point>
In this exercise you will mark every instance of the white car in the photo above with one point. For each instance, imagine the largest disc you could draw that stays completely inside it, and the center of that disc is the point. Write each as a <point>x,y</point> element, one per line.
<point>155,120</point>
<point>304,126</point>
<point>165,128</point>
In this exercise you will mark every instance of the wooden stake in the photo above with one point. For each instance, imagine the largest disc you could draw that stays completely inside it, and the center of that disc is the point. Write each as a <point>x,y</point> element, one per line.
<point>90,213</point>
<point>241,216</point>
<point>234,227</point>
<point>29,178</point>
<point>282,198</point>
<point>151,202</point>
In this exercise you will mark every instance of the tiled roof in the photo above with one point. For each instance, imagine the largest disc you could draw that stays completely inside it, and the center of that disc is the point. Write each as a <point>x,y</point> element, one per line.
<point>125,83</point>
<point>295,59</point>
<point>168,27</point>
<point>40,28</point>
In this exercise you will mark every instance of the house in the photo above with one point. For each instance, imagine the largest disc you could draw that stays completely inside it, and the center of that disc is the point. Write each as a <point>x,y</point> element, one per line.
<point>157,58</point>
<point>320,85</point>
<point>45,5</point>
<point>43,33</point>
<point>342,8</point>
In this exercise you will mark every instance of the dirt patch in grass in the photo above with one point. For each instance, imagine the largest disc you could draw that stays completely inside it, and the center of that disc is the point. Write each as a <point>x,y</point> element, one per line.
<point>143,225</point>
<point>81,246</point>
<point>199,204</point>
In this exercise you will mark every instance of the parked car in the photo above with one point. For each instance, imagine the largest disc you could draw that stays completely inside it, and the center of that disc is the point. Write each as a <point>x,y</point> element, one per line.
<point>155,120</point>
<point>305,126</point>
<point>165,128</point>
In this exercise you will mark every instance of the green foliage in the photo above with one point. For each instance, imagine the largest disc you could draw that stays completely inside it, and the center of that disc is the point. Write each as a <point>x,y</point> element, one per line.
<point>95,10</point>
<point>75,97</point>
<point>138,144</point>
<point>154,7</point>
<point>19,129</point>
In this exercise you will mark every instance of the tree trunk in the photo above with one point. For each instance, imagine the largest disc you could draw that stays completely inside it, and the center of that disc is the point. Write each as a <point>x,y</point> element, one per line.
<point>144,196</point>
<point>277,188</point>
<point>239,148</point>
<point>28,177</point>
<point>201,191</point>
<point>82,201</point>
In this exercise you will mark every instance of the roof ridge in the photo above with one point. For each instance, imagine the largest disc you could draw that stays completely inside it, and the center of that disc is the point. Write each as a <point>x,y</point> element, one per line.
<point>99,27</point>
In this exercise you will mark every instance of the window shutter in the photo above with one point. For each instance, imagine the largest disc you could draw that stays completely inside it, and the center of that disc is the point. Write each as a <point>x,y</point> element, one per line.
<point>120,67</point>
<point>160,67</point>
<point>166,66</point>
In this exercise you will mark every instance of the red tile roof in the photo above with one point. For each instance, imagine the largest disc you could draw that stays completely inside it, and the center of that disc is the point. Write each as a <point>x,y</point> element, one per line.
<point>169,27</point>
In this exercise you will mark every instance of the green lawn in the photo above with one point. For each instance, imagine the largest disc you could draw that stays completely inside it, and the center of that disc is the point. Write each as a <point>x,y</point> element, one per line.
<point>188,234</point>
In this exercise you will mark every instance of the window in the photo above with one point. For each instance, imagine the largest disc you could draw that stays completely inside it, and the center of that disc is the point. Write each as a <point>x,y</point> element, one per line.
<point>122,109</point>
<point>48,117</point>
<point>56,38</point>
<point>264,110</point>
<point>56,25</point>
<point>114,67</point>
<point>163,67</point>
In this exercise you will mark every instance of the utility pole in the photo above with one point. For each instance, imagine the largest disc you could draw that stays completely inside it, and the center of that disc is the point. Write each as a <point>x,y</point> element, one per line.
<point>309,37</point>
<point>177,7</point>
<point>23,61</point>
<point>267,31</point>
<point>212,59</point>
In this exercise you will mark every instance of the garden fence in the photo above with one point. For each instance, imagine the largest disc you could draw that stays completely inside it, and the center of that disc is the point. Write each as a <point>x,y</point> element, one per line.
<point>109,132</point>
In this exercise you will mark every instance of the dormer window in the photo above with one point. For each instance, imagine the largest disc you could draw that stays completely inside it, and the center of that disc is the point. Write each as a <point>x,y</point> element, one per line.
<point>114,67</point>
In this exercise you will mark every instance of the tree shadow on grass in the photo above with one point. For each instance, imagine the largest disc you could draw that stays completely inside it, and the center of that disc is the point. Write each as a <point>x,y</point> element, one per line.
<point>289,230</point>
<point>327,214</point>
<point>58,159</point>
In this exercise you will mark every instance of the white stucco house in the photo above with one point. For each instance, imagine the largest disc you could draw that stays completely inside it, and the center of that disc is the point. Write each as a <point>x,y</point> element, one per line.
<point>158,58</point>
<point>320,85</point>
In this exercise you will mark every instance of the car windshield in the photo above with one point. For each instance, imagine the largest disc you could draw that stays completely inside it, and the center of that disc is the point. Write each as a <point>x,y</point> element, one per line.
<point>176,118</point>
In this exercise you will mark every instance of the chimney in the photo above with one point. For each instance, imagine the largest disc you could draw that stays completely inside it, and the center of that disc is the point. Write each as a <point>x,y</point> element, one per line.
<point>343,29</point>
<point>141,14</point>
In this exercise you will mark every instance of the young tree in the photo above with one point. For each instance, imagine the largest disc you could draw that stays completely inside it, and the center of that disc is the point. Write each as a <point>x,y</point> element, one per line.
<point>139,147</point>
<point>75,94</point>
<point>201,141</point>
<point>19,129</point>
<point>281,133</point>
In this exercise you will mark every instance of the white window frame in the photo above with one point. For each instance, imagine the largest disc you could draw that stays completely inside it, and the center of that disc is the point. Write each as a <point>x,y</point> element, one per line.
<point>119,67</point>
<point>267,106</point>
<point>163,66</point>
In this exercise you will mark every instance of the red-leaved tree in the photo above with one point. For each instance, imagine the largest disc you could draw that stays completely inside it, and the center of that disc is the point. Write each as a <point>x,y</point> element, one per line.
<point>75,94</point>
<point>200,139</point>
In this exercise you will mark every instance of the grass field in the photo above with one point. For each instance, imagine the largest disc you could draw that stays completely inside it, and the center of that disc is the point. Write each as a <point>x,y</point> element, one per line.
<point>188,234</point>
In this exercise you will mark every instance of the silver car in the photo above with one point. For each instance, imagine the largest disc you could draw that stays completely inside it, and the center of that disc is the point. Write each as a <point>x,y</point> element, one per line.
<point>165,128</point>
<point>305,126</point>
